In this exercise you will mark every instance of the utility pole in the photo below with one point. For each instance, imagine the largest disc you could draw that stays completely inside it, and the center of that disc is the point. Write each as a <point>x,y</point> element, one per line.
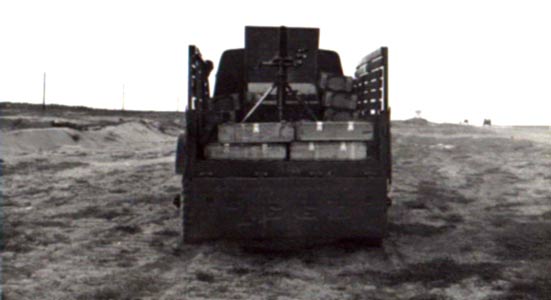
<point>44,93</point>
<point>123,97</point>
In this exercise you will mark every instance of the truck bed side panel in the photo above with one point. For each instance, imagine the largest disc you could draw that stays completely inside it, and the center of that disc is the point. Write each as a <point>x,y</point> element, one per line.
<point>314,209</point>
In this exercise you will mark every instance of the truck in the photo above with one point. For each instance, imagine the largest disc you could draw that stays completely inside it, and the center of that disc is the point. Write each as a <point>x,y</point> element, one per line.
<point>287,151</point>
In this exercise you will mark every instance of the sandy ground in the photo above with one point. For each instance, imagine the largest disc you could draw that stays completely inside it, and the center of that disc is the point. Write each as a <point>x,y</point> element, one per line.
<point>89,215</point>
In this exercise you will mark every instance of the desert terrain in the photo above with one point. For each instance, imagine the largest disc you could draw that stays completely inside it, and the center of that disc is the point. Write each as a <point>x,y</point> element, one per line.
<point>87,213</point>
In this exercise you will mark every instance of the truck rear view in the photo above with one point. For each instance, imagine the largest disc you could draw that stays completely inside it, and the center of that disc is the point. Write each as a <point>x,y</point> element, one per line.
<point>287,150</point>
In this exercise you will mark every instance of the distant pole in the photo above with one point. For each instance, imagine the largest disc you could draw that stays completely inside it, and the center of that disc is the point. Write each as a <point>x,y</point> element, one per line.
<point>123,97</point>
<point>44,93</point>
<point>178,104</point>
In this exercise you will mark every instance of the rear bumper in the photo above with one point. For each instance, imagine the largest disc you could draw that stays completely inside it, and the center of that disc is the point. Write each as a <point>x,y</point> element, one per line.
<point>285,208</point>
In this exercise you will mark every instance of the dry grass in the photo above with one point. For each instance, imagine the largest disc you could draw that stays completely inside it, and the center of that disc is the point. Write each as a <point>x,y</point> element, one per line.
<point>443,272</point>
<point>526,241</point>
<point>98,223</point>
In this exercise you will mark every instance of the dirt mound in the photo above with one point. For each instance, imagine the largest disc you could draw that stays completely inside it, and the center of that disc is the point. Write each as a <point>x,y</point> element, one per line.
<point>46,139</point>
<point>416,121</point>
<point>26,140</point>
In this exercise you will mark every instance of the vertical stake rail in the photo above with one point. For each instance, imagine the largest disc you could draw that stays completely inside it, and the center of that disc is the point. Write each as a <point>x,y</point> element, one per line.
<point>282,72</point>
<point>190,105</point>
<point>388,137</point>
<point>196,95</point>
<point>385,78</point>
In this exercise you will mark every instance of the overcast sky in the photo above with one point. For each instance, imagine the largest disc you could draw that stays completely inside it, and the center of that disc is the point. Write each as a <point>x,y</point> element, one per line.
<point>451,60</point>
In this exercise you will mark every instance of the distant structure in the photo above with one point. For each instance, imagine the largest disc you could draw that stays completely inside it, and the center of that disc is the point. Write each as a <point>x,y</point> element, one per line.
<point>417,114</point>
<point>487,122</point>
<point>466,121</point>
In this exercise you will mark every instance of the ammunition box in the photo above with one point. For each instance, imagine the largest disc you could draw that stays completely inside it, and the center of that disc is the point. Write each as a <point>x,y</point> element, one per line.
<point>328,151</point>
<point>271,132</point>
<point>336,83</point>
<point>246,151</point>
<point>331,114</point>
<point>334,131</point>
<point>340,100</point>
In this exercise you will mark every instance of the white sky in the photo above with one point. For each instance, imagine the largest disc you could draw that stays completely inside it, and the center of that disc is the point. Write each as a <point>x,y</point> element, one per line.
<point>450,59</point>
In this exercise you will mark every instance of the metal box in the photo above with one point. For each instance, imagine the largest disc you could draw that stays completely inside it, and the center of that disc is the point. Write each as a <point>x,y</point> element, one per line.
<point>267,132</point>
<point>328,151</point>
<point>334,131</point>
<point>246,151</point>
<point>336,83</point>
<point>330,114</point>
<point>340,100</point>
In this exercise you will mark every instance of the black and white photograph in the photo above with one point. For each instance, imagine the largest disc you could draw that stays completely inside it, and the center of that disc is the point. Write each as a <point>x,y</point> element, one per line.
<point>277,150</point>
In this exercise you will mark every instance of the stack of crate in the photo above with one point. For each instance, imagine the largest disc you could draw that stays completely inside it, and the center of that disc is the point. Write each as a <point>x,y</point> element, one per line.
<point>331,140</point>
<point>339,100</point>
<point>338,137</point>
<point>251,141</point>
<point>299,141</point>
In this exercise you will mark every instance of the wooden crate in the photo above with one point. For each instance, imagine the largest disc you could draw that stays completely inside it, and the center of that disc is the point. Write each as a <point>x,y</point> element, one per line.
<point>336,83</point>
<point>246,151</point>
<point>328,151</point>
<point>331,114</point>
<point>334,131</point>
<point>267,132</point>
<point>340,100</point>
